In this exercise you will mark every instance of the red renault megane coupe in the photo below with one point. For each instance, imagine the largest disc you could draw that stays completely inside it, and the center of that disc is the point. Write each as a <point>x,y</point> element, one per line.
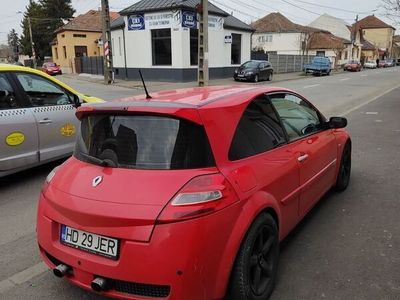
<point>185,196</point>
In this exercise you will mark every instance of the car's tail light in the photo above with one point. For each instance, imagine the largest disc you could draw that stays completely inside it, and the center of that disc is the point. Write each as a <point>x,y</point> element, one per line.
<point>49,178</point>
<point>200,196</point>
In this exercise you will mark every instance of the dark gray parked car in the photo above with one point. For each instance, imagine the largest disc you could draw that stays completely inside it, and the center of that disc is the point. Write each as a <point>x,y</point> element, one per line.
<point>254,70</point>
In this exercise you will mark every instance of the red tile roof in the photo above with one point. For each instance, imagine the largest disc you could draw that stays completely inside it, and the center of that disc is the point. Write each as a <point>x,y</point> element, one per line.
<point>366,45</point>
<point>276,22</point>
<point>325,40</point>
<point>371,22</point>
<point>90,21</point>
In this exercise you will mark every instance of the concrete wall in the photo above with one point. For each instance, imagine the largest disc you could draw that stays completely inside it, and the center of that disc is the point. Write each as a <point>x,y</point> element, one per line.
<point>334,25</point>
<point>282,43</point>
<point>66,39</point>
<point>118,50</point>
<point>139,54</point>
<point>380,37</point>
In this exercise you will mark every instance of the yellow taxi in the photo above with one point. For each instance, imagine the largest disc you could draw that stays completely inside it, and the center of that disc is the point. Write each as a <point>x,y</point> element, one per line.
<point>37,118</point>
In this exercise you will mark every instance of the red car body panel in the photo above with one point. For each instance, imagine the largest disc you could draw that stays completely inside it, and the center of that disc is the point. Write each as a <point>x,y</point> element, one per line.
<point>352,67</point>
<point>196,254</point>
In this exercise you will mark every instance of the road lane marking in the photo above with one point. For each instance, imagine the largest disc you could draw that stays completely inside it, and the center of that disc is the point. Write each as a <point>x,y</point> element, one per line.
<point>343,79</point>
<point>369,101</point>
<point>310,86</point>
<point>371,113</point>
<point>22,277</point>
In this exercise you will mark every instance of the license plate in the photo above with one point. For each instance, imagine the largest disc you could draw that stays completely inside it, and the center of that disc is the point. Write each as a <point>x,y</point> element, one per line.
<point>90,242</point>
<point>240,75</point>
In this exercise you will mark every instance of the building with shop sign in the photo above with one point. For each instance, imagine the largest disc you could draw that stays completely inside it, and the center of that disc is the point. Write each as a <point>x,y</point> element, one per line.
<point>160,37</point>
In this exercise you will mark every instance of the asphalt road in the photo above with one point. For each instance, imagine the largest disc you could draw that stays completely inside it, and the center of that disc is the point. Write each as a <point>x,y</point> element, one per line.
<point>347,248</point>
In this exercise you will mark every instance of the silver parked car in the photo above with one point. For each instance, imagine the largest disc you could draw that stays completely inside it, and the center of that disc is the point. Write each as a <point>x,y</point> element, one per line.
<point>37,118</point>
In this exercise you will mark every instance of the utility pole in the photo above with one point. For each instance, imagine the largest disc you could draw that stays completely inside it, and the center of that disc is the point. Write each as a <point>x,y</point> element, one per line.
<point>354,37</point>
<point>108,63</point>
<point>32,44</point>
<point>203,44</point>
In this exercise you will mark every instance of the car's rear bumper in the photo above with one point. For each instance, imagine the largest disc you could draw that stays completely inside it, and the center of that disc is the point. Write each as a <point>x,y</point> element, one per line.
<point>186,258</point>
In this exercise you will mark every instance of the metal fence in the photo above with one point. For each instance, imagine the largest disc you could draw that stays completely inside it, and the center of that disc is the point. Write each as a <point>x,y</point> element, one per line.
<point>90,65</point>
<point>288,63</point>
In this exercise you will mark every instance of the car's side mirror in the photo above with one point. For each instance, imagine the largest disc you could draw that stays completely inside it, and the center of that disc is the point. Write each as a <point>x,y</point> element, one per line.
<point>337,122</point>
<point>77,101</point>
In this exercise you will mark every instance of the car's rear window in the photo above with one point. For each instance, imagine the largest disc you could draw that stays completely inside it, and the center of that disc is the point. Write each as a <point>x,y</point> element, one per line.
<point>143,142</point>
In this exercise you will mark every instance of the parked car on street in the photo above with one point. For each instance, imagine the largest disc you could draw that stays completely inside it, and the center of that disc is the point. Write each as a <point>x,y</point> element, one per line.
<point>398,62</point>
<point>51,68</point>
<point>353,65</point>
<point>390,62</point>
<point>37,118</point>
<point>254,70</point>
<point>186,195</point>
<point>370,64</point>
<point>382,64</point>
<point>320,65</point>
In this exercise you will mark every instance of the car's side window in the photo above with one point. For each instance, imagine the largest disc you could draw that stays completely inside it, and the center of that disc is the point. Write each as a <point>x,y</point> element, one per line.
<point>298,117</point>
<point>41,91</point>
<point>8,98</point>
<point>258,131</point>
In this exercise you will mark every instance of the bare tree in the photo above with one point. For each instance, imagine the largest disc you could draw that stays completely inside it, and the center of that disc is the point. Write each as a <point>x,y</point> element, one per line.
<point>338,49</point>
<point>392,10</point>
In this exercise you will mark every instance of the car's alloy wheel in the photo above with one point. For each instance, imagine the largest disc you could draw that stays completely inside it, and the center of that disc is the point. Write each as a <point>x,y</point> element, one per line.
<point>270,77</point>
<point>254,274</point>
<point>343,178</point>
<point>256,78</point>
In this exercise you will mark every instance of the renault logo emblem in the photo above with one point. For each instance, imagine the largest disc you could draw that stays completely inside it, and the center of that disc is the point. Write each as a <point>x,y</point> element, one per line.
<point>96,181</point>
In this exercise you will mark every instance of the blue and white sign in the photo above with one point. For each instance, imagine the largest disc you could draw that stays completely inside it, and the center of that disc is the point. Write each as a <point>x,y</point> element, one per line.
<point>136,22</point>
<point>189,19</point>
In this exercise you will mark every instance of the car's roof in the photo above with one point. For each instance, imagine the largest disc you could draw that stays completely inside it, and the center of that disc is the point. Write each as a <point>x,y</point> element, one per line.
<point>197,97</point>
<point>16,68</point>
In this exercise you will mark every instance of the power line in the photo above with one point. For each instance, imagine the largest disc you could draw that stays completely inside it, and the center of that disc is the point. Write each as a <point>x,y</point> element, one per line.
<point>280,10</point>
<point>302,8</point>
<point>336,8</point>
<point>310,11</point>
<point>233,9</point>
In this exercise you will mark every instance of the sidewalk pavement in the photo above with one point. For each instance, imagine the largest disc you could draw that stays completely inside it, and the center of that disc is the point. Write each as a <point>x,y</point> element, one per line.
<point>162,85</point>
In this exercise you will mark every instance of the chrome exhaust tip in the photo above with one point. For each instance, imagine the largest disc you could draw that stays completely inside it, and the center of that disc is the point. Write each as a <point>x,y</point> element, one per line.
<point>61,270</point>
<point>99,284</point>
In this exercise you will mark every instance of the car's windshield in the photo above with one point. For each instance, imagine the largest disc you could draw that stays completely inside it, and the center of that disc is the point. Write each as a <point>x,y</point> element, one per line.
<point>251,64</point>
<point>143,142</point>
<point>50,65</point>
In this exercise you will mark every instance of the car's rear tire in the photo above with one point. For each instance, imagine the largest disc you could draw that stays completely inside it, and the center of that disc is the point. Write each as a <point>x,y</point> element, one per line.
<point>254,273</point>
<point>343,177</point>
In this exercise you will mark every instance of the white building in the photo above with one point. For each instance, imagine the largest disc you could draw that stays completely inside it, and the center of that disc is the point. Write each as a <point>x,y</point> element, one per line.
<point>277,34</point>
<point>161,38</point>
<point>341,29</point>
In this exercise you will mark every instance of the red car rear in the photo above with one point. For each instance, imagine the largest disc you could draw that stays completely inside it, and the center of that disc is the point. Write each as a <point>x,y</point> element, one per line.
<point>51,68</point>
<point>187,195</point>
<point>353,65</point>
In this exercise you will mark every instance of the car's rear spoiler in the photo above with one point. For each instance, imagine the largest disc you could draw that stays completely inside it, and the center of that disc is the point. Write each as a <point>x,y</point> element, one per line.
<point>174,109</point>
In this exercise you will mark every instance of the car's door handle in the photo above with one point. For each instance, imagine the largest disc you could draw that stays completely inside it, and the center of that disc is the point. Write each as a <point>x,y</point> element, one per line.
<point>45,121</point>
<point>302,158</point>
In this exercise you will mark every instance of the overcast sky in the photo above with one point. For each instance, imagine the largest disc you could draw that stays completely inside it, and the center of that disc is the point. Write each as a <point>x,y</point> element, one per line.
<point>246,10</point>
